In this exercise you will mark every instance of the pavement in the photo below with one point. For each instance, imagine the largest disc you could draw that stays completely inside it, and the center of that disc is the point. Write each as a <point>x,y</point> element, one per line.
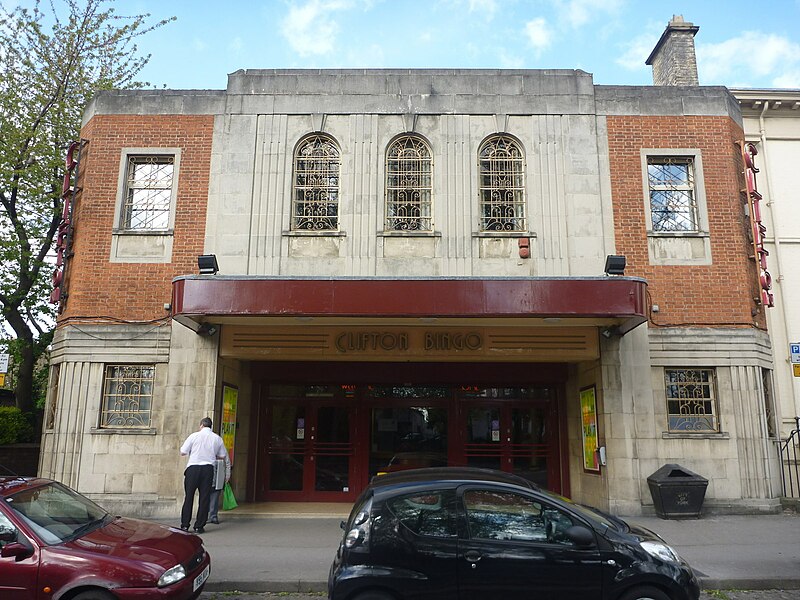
<point>291,552</point>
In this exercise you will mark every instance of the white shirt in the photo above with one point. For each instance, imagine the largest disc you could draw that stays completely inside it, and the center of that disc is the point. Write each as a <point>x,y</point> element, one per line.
<point>204,447</point>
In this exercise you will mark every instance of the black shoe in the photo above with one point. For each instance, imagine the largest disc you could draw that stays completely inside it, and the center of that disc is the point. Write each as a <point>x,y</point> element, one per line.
<point>214,520</point>
<point>199,530</point>
<point>185,527</point>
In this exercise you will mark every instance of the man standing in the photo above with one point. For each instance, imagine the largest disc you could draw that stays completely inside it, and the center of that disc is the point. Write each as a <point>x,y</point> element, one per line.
<point>203,448</point>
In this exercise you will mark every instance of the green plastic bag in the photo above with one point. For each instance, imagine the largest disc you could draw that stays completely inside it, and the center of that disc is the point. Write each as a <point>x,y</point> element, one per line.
<point>228,499</point>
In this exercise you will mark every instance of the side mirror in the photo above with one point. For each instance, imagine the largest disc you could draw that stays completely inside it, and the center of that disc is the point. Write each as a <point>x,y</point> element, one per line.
<point>17,550</point>
<point>580,536</point>
<point>342,525</point>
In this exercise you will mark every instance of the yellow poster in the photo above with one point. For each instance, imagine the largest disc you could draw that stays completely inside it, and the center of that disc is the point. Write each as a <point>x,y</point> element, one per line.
<point>230,397</point>
<point>589,429</point>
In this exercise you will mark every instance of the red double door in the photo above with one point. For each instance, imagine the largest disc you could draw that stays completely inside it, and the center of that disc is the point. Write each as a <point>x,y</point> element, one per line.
<point>325,443</point>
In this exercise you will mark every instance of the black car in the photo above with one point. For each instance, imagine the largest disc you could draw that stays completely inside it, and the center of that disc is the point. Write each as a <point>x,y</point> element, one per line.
<point>463,533</point>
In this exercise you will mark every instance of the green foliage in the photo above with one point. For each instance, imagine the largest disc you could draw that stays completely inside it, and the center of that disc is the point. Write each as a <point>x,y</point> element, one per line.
<point>53,58</point>
<point>15,427</point>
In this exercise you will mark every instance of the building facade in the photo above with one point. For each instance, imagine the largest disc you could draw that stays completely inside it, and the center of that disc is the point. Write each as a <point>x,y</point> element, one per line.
<point>772,124</point>
<point>414,268</point>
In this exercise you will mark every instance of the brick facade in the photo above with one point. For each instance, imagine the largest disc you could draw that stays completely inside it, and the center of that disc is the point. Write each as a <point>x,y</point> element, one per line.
<point>719,294</point>
<point>135,291</point>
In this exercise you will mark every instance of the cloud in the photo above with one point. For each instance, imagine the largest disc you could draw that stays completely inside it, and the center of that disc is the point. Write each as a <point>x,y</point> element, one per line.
<point>236,45</point>
<point>578,13</point>
<point>539,34</point>
<point>752,54</point>
<point>639,48</point>
<point>509,61</point>
<point>790,79</point>
<point>310,26</point>
<point>199,45</point>
<point>488,7</point>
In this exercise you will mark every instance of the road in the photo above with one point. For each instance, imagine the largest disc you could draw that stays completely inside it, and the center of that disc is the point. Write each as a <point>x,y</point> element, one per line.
<point>706,595</point>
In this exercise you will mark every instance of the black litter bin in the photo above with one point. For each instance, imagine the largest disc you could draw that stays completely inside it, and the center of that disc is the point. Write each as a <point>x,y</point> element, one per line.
<point>677,492</point>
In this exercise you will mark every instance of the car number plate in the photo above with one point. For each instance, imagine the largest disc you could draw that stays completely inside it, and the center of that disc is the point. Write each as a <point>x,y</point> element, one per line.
<point>200,579</point>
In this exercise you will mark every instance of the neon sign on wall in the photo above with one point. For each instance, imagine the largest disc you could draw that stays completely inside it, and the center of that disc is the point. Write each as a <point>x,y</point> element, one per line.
<point>759,229</point>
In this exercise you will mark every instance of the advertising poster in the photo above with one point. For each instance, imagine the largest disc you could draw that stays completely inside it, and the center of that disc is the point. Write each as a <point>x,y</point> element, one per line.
<point>589,429</point>
<point>230,397</point>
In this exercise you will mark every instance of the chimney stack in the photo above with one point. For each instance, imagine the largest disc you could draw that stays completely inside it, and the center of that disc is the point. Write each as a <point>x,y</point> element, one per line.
<point>673,59</point>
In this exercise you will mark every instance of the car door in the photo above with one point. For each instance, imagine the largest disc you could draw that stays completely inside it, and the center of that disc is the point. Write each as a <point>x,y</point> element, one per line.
<point>421,543</point>
<point>19,562</point>
<point>515,547</point>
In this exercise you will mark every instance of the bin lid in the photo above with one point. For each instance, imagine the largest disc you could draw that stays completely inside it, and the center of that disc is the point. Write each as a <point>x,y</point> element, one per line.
<point>674,473</point>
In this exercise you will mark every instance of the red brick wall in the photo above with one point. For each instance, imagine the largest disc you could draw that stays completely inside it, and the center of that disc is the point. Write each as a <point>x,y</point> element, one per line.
<point>718,294</point>
<point>135,291</point>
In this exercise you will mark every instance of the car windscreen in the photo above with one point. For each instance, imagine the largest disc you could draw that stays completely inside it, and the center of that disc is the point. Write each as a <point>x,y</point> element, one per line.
<point>55,513</point>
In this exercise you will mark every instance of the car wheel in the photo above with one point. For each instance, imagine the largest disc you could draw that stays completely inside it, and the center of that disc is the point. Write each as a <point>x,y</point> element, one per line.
<point>94,595</point>
<point>374,595</point>
<point>644,593</point>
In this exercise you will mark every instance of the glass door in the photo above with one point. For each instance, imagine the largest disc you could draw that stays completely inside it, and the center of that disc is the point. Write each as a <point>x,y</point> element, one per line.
<point>310,450</point>
<point>506,431</point>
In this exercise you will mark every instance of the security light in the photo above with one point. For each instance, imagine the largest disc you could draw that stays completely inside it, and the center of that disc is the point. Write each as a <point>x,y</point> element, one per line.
<point>207,263</point>
<point>615,264</point>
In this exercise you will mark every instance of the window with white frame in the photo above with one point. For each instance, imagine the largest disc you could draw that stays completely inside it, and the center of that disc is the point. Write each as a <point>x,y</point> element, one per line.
<point>317,163</point>
<point>408,185</point>
<point>673,194</point>
<point>501,167</point>
<point>127,396</point>
<point>691,400</point>
<point>148,192</point>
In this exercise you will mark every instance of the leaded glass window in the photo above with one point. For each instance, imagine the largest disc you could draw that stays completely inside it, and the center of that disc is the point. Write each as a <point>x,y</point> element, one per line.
<point>691,400</point>
<point>673,202</point>
<point>408,185</point>
<point>502,185</point>
<point>127,396</point>
<point>148,192</point>
<point>317,163</point>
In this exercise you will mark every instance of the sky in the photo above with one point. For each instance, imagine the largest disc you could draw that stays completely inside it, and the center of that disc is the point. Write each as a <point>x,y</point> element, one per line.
<point>741,43</point>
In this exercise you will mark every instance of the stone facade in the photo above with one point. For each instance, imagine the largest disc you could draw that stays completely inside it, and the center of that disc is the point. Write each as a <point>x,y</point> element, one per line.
<point>585,156</point>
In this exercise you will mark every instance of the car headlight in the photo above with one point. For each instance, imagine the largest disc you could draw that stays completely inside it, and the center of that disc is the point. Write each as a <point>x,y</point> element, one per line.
<point>661,551</point>
<point>172,575</point>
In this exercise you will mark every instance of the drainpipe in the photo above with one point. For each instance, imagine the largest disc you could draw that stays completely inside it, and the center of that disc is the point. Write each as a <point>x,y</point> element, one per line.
<point>773,219</point>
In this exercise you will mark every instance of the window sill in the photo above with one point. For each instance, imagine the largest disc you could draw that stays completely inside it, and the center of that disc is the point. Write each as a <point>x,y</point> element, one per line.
<point>409,233</point>
<point>121,431</point>
<point>721,435</point>
<point>158,232</point>
<point>676,234</point>
<point>321,233</point>
<point>503,234</point>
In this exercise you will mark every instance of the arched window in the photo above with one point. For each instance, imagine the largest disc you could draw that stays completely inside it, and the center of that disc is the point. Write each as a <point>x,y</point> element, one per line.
<point>502,185</point>
<point>316,184</point>
<point>408,185</point>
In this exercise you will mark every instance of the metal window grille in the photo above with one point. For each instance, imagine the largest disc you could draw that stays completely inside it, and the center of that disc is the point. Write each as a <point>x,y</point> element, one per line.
<point>127,396</point>
<point>673,202</point>
<point>691,400</point>
<point>502,185</point>
<point>408,185</point>
<point>316,185</point>
<point>148,192</point>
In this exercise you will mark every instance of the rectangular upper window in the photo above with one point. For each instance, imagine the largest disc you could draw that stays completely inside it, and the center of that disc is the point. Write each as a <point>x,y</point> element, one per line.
<point>148,192</point>
<point>673,198</point>
<point>127,396</point>
<point>691,400</point>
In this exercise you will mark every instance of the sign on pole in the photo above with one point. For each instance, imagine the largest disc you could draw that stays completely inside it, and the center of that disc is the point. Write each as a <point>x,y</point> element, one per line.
<point>4,363</point>
<point>796,368</point>
<point>794,352</point>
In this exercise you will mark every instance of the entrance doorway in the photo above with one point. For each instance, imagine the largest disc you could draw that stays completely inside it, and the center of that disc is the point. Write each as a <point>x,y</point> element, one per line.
<point>324,443</point>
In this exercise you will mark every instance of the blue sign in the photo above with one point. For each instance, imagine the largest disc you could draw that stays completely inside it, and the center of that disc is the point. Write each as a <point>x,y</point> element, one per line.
<point>794,351</point>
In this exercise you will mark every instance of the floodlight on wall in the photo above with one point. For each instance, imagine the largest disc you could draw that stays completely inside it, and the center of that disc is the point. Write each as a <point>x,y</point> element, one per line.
<point>615,264</point>
<point>207,263</point>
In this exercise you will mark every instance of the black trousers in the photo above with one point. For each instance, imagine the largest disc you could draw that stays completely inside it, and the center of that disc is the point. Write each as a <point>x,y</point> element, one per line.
<point>197,478</point>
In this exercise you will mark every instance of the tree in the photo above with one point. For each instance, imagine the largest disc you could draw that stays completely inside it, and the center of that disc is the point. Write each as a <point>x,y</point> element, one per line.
<point>53,58</point>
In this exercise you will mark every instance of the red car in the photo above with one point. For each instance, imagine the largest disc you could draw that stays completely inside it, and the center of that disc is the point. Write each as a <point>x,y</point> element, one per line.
<point>55,543</point>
